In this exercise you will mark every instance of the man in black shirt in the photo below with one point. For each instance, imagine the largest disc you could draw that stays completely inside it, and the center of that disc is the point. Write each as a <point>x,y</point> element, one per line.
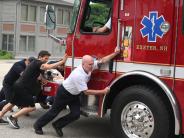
<point>9,79</point>
<point>43,99</point>
<point>28,86</point>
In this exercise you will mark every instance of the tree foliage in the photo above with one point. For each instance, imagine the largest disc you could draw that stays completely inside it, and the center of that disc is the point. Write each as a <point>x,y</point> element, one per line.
<point>99,13</point>
<point>5,55</point>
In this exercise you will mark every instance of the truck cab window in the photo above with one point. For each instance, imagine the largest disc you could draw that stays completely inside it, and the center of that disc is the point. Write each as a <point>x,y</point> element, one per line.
<point>97,17</point>
<point>76,7</point>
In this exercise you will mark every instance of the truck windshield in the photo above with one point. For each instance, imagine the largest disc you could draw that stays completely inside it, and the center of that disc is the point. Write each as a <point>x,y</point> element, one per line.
<point>74,15</point>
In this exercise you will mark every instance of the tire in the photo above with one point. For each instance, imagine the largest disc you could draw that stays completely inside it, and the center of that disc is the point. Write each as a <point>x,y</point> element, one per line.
<point>139,112</point>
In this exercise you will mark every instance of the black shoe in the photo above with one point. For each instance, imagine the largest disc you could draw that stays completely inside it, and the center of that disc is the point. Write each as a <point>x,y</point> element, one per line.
<point>2,121</point>
<point>13,122</point>
<point>44,105</point>
<point>38,130</point>
<point>58,130</point>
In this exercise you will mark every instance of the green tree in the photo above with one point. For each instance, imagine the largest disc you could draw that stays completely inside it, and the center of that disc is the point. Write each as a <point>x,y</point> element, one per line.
<point>99,13</point>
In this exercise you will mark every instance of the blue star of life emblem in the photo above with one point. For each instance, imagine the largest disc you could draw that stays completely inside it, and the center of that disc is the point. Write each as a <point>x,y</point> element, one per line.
<point>152,25</point>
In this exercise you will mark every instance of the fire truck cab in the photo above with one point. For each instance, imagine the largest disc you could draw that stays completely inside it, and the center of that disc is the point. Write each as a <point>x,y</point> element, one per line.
<point>146,80</point>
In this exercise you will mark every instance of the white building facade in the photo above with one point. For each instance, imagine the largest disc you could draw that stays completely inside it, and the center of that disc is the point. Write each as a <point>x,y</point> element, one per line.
<point>22,29</point>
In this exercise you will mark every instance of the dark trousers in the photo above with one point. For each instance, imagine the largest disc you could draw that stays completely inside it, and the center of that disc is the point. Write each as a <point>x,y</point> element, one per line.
<point>40,98</point>
<point>3,102</point>
<point>2,95</point>
<point>5,94</point>
<point>63,98</point>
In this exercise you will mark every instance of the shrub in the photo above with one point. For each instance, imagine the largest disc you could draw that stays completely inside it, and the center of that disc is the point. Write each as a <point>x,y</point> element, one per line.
<point>5,55</point>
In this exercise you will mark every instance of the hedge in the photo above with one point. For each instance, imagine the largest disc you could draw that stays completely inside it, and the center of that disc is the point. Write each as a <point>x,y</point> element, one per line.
<point>5,55</point>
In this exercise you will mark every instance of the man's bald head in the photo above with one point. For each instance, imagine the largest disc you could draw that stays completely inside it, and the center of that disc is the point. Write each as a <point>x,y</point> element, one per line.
<point>87,58</point>
<point>87,63</point>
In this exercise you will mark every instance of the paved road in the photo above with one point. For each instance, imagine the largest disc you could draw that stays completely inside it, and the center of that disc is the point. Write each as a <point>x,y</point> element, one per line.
<point>83,128</point>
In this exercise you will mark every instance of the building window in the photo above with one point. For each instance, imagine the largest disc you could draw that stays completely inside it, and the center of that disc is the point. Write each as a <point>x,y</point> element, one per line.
<point>60,16</point>
<point>42,14</point>
<point>66,17</point>
<point>22,44</point>
<point>7,42</point>
<point>28,13</point>
<point>63,16</point>
<point>32,13</point>
<point>31,43</point>
<point>24,13</point>
<point>27,43</point>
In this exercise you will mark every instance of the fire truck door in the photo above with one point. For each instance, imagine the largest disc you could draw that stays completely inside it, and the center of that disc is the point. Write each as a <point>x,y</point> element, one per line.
<point>147,35</point>
<point>154,31</point>
<point>95,14</point>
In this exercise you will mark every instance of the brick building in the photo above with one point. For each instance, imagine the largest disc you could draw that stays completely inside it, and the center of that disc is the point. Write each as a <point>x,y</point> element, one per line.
<point>22,29</point>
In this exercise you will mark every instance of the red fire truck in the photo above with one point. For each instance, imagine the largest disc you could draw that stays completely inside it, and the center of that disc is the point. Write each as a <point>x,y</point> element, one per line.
<point>146,98</point>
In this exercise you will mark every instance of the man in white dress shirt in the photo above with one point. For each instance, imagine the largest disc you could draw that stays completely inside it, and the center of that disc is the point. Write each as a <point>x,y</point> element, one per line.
<point>68,94</point>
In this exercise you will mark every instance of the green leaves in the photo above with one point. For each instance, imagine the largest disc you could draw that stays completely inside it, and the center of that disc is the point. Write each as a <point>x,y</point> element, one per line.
<point>5,55</point>
<point>99,13</point>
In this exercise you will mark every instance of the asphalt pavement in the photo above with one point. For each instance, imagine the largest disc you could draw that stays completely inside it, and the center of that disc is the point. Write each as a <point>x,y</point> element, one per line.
<point>85,127</point>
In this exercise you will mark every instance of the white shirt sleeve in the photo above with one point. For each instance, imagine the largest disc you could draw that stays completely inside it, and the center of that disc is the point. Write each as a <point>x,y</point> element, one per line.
<point>108,24</point>
<point>95,65</point>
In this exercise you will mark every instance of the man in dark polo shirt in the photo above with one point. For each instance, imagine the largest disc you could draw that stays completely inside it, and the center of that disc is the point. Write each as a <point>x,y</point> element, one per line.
<point>9,79</point>
<point>27,86</point>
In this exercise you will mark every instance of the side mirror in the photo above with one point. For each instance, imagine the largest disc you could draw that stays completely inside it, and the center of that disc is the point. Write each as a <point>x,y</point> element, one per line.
<point>50,18</point>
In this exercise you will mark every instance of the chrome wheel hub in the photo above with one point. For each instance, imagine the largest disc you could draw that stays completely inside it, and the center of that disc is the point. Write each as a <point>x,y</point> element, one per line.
<point>137,120</point>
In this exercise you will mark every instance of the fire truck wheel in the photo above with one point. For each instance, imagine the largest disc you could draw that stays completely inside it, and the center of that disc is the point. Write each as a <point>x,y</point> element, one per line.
<point>139,112</point>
